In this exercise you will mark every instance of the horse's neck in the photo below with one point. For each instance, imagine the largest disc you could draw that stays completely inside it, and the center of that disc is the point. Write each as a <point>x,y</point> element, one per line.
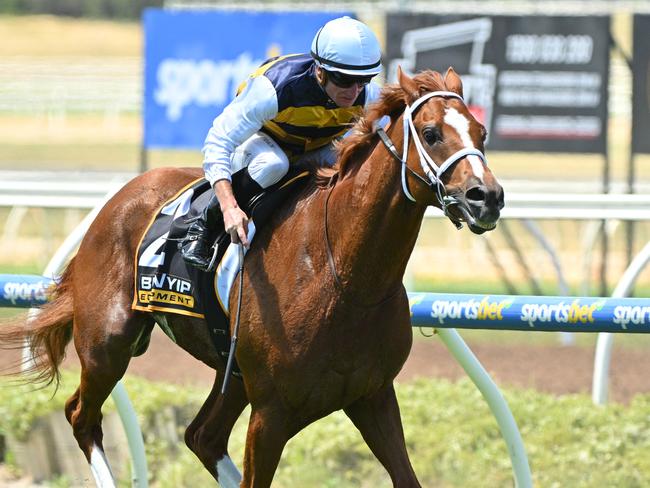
<point>376,228</point>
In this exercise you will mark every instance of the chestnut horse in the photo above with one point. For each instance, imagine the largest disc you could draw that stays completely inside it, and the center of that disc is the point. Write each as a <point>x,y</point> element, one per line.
<point>325,319</point>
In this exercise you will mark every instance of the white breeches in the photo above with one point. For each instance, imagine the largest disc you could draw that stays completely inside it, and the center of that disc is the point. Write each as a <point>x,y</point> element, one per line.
<point>266,161</point>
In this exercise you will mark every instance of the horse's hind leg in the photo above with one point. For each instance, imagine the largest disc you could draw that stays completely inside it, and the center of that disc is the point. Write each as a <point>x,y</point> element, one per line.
<point>105,347</point>
<point>378,420</point>
<point>207,436</point>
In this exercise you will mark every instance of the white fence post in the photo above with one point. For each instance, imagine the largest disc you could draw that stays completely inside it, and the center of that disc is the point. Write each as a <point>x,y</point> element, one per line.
<point>605,339</point>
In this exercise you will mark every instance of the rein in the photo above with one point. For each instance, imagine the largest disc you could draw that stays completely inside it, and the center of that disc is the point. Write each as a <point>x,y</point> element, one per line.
<point>432,170</point>
<point>328,246</point>
<point>330,256</point>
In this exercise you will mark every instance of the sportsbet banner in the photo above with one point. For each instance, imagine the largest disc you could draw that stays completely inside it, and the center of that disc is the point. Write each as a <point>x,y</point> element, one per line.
<point>502,312</point>
<point>23,291</point>
<point>195,60</point>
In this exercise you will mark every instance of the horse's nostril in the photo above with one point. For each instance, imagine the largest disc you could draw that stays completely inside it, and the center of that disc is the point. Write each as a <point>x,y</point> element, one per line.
<point>500,199</point>
<point>475,194</point>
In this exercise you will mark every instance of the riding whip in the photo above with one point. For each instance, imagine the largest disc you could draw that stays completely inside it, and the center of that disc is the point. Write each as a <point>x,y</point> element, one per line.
<point>233,340</point>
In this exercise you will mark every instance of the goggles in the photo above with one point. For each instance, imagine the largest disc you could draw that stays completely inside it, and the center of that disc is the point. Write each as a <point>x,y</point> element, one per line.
<point>346,81</point>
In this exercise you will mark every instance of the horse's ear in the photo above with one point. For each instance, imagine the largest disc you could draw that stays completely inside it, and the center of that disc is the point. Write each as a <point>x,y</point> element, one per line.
<point>453,82</point>
<point>410,87</point>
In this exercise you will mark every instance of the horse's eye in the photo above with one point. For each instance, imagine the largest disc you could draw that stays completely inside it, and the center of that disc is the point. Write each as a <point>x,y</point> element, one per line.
<point>431,135</point>
<point>484,133</point>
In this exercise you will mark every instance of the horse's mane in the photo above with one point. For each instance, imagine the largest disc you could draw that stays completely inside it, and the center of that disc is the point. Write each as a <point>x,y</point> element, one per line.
<point>352,150</point>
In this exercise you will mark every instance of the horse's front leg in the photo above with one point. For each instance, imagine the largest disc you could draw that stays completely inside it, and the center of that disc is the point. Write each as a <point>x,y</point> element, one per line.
<point>378,420</point>
<point>208,434</point>
<point>267,435</point>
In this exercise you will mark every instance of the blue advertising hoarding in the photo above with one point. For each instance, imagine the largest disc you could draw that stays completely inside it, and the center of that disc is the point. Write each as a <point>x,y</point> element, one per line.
<point>522,312</point>
<point>195,60</point>
<point>442,310</point>
<point>23,291</point>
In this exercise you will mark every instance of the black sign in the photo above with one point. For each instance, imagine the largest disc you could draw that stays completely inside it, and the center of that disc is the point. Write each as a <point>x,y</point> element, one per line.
<point>537,83</point>
<point>641,85</point>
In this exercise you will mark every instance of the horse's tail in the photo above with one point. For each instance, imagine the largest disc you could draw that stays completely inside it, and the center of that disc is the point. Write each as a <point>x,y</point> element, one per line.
<point>46,333</point>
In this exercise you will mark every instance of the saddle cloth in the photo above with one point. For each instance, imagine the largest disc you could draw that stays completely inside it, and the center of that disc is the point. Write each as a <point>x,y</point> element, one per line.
<point>165,283</point>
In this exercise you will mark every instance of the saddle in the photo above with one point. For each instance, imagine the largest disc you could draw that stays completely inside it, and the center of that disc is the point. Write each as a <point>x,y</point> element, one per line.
<point>165,283</point>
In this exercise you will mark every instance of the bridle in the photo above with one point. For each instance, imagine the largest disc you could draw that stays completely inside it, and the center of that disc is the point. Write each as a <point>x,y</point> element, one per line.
<point>432,171</point>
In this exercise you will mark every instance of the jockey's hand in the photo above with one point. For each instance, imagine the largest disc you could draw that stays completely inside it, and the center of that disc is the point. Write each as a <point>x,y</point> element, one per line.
<point>234,218</point>
<point>236,224</point>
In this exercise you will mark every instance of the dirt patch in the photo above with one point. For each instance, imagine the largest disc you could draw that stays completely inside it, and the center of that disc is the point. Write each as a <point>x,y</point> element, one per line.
<point>551,369</point>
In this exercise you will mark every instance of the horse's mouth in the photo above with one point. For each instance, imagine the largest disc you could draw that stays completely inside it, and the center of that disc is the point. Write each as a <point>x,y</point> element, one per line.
<point>461,212</point>
<point>478,229</point>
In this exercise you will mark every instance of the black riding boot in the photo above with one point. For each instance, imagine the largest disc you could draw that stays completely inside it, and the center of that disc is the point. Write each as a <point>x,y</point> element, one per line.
<point>247,191</point>
<point>196,248</point>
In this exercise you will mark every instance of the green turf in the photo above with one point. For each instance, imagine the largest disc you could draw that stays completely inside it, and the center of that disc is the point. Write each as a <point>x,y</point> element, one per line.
<point>452,437</point>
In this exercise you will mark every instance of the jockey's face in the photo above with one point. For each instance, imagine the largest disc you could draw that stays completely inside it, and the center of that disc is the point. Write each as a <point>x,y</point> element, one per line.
<point>343,96</point>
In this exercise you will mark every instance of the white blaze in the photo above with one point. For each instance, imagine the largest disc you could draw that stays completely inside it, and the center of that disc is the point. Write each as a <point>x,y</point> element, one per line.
<point>459,122</point>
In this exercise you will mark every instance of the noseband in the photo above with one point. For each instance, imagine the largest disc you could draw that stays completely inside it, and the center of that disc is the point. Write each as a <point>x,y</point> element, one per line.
<point>432,170</point>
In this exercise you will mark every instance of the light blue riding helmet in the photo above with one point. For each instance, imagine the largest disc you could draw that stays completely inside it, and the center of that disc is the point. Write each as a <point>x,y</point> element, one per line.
<point>348,46</point>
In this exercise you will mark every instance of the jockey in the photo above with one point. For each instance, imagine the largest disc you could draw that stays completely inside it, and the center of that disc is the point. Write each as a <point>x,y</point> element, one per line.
<point>292,107</point>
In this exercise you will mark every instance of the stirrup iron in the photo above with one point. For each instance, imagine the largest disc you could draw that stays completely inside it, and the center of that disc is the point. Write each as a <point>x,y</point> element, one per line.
<point>213,260</point>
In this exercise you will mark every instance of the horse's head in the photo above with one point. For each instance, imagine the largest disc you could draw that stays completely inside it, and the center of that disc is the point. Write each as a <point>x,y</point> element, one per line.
<point>444,164</point>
